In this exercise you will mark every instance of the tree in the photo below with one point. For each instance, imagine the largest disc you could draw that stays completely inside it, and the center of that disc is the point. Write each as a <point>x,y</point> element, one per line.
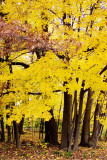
<point>65,55</point>
<point>86,122</point>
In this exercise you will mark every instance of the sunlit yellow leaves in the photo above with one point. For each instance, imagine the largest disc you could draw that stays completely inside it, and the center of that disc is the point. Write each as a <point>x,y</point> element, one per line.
<point>83,47</point>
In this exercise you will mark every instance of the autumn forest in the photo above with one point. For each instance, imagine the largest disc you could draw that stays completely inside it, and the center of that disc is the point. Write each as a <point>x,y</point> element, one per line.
<point>53,78</point>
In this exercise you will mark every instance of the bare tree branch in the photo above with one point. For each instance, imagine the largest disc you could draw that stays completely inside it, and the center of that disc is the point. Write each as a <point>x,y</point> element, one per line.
<point>103,70</point>
<point>15,63</point>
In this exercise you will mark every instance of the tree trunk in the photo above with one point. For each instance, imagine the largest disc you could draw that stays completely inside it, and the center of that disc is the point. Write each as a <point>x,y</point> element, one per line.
<point>2,131</point>
<point>76,138</point>
<point>96,128</point>
<point>74,118</point>
<point>16,134</point>
<point>86,122</point>
<point>8,127</point>
<point>9,134</point>
<point>60,111</point>
<point>51,131</point>
<point>41,128</point>
<point>66,125</point>
<point>21,126</point>
<point>101,131</point>
<point>105,137</point>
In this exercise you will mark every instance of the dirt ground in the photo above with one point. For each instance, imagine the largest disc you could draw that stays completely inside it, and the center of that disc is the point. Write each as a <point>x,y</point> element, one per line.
<point>33,149</point>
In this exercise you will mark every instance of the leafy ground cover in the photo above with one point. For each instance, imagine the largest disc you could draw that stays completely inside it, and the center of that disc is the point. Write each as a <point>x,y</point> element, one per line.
<point>32,148</point>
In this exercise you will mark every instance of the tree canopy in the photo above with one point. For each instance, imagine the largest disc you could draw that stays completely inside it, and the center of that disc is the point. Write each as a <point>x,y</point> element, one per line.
<point>48,47</point>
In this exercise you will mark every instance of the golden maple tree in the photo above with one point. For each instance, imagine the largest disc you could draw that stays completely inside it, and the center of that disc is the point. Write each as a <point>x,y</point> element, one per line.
<point>67,42</point>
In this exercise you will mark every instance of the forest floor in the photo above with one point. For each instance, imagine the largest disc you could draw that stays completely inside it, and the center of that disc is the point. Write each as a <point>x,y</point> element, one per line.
<point>33,149</point>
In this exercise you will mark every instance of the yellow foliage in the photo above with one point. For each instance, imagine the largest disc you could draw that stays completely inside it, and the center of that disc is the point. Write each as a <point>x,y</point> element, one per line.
<point>88,31</point>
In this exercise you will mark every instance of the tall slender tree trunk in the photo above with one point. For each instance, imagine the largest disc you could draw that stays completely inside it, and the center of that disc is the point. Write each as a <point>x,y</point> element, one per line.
<point>76,138</point>
<point>21,126</point>
<point>9,134</point>
<point>66,125</point>
<point>86,122</point>
<point>2,131</point>
<point>51,130</point>
<point>73,118</point>
<point>16,134</point>
<point>105,137</point>
<point>41,128</point>
<point>96,128</point>
<point>60,111</point>
<point>101,131</point>
<point>8,128</point>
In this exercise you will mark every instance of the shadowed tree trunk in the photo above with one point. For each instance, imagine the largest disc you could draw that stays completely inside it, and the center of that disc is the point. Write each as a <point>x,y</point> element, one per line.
<point>8,128</point>
<point>9,134</point>
<point>105,137</point>
<point>59,112</point>
<point>86,122</point>
<point>16,134</point>
<point>96,128</point>
<point>21,126</point>
<point>67,112</point>
<point>76,137</point>
<point>2,131</point>
<point>101,131</point>
<point>51,130</point>
<point>74,119</point>
<point>41,128</point>
<point>66,125</point>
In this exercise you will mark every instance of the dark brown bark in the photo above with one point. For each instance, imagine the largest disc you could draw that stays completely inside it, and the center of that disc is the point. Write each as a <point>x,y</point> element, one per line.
<point>2,131</point>
<point>8,127</point>
<point>51,131</point>
<point>16,134</point>
<point>21,126</point>
<point>41,129</point>
<point>74,118</point>
<point>76,138</point>
<point>96,128</point>
<point>59,113</point>
<point>13,136</point>
<point>9,134</point>
<point>86,122</point>
<point>66,125</point>
<point>105,137</point>
<point>101,131</point>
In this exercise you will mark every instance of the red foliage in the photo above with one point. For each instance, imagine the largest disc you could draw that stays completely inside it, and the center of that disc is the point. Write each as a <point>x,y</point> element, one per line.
<point>15,37</point>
